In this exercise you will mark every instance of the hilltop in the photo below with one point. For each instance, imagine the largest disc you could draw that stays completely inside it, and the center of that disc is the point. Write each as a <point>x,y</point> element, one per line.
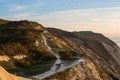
<point>24,44</point>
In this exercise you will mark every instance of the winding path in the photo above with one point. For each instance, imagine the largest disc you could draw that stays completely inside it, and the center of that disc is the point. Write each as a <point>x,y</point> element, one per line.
<point>59,65</point>
<point>58,68</point>
<point>49,48</point>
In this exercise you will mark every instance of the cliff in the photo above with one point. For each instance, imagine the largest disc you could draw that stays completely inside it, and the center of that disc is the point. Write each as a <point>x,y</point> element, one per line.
<point>97,48</point>
<point>28,49</point>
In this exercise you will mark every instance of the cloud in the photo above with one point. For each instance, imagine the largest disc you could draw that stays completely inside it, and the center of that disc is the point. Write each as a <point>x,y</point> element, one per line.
<point>34,6</point>
<point>99,16</point>
<point>20,16</point>
<point>103,20</point>
<point>16,7</point>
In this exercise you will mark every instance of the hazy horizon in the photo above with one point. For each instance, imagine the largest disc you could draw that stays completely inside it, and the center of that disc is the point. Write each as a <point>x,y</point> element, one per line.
<point>78,15</point>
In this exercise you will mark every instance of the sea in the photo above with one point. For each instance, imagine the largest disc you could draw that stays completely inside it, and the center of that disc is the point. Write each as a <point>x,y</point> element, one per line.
<point>116,40</point>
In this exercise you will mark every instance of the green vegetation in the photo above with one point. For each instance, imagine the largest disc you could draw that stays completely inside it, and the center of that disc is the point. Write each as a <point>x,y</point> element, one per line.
<point>33,69</point>
<point>18,38</point>
<point>3,21</point>
<point>68,54</point>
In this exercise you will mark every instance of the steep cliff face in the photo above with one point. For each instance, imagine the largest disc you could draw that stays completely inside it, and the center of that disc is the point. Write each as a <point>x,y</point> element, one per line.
<point>103,52</point>
<point>24,44</point>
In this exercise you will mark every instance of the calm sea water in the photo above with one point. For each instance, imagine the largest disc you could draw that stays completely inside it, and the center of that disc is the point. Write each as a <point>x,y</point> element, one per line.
<point>116,40</point>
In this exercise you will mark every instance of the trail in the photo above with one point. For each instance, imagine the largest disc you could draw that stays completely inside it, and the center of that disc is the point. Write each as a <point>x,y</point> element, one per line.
<point>49,48</point>
<point>59,65</point>
<point>58,68</point>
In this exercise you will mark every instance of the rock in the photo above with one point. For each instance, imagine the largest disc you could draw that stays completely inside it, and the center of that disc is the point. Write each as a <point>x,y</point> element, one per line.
<point>84,71</point>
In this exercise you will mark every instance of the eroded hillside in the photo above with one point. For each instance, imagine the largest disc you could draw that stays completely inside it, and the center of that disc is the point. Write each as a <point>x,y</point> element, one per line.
<point>27,48</point>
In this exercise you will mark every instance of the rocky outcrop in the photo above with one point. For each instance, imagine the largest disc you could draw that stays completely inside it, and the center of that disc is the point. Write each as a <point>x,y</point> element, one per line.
<point>84,71</point>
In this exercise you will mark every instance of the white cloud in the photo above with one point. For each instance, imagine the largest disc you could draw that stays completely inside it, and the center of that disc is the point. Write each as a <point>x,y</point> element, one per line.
<point>20,16</point>
<point>17,7</point>
<point>103,20</point>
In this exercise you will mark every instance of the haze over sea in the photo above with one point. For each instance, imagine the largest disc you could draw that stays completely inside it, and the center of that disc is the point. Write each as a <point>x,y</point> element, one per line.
<point>116,40</point>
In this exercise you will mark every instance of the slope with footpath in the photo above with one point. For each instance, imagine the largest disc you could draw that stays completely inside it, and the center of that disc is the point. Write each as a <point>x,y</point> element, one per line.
<point>24,44</point>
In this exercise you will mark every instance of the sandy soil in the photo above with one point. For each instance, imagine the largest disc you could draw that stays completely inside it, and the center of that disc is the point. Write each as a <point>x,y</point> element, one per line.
<point>4,75</point>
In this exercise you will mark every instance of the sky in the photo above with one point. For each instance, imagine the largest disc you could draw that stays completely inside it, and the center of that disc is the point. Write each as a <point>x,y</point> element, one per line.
<point>101,16</point>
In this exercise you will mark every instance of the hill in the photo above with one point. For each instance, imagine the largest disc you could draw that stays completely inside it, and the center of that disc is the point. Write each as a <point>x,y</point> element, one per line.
<point>27,45</point>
